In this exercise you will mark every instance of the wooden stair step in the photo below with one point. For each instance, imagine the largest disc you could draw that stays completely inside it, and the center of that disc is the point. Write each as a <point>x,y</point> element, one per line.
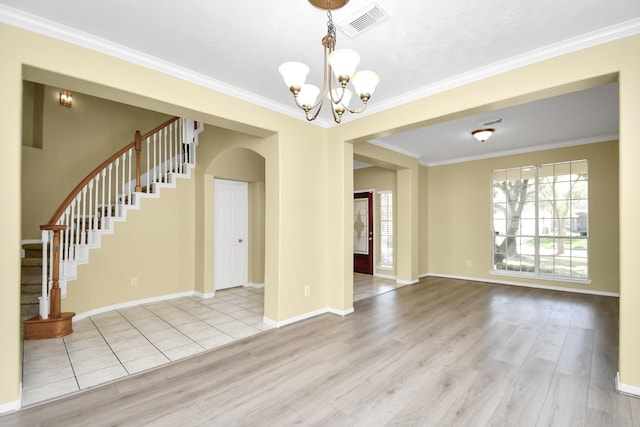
<point>37,246</point>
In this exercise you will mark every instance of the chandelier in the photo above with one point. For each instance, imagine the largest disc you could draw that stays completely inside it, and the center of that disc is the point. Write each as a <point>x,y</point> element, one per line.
<point>339,70</point>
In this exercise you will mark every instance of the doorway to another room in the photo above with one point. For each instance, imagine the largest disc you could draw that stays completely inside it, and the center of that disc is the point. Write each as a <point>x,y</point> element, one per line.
<point>363,232</point>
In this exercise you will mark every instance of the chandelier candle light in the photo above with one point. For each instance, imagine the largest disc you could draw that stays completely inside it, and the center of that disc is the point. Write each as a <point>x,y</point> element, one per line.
<point>339,70</point>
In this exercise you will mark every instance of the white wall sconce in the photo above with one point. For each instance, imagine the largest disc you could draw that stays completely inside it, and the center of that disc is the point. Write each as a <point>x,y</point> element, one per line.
<point>66,98</point>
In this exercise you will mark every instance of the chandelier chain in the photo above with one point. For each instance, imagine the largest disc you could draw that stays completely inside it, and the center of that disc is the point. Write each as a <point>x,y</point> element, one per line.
<point>331,28</point>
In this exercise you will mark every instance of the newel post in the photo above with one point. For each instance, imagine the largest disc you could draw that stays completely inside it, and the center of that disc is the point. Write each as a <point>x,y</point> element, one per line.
<point>138,150</point>
<point>55,299</point>
<point>57,324</point>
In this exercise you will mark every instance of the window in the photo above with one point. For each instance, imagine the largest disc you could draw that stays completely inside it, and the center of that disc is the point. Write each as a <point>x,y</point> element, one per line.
<point>386,229</point>
<point>540,220</point>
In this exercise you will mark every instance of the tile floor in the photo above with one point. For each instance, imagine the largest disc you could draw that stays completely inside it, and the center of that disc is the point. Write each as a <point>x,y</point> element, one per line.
<point>122,342</point>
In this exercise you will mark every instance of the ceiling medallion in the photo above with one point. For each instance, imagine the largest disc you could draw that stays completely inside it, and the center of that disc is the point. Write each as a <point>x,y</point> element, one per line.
<point>322,4</point>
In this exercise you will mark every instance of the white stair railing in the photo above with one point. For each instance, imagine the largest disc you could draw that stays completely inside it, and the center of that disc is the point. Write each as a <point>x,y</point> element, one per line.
<point>104,196</point>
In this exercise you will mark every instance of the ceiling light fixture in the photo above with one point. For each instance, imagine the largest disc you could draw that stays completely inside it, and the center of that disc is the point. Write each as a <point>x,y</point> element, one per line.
<point>483,134</point>
<point>339,70</point>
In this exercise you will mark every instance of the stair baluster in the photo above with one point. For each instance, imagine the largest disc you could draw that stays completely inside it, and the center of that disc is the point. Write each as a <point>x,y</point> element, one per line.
<point>92,207</point>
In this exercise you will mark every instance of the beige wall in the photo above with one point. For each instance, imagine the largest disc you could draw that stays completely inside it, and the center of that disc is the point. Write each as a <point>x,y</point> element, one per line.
<point>459,215</point>
<point>301,160</point>
<point>566,73</point>
<point>423,221</point>
<point>295,194</point>
<point>10,152</point>
<point>75,141</point>
<point>155,245</point>
<point>378,179</point>
<point>224,153</point>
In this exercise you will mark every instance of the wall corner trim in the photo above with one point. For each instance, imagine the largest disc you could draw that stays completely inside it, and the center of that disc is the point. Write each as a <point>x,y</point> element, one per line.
<point>204,295</point>
<point>12,406</point>
<point>625,388</point>
<point>407,282</point>
<point>326,310</point>
<point>254,285</point>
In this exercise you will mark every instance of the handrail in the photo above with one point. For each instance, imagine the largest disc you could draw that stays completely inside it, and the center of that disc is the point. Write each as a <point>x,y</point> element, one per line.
<point>63,206</point>
<point>105,195</point>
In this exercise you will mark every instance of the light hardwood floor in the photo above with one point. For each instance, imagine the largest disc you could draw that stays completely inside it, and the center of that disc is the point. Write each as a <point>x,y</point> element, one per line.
<point>442,352</point>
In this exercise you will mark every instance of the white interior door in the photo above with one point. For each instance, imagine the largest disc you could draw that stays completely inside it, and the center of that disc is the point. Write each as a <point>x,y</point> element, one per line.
<point>231,252</point>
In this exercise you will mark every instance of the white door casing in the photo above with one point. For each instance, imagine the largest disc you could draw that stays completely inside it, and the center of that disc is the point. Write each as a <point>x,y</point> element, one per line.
<point>231,217</point>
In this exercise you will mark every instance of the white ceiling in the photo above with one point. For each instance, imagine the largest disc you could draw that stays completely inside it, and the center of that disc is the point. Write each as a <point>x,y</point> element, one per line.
<point>425,46</point>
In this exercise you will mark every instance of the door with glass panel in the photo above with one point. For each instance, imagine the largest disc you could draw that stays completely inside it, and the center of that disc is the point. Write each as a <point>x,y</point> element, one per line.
<point>363,232</point>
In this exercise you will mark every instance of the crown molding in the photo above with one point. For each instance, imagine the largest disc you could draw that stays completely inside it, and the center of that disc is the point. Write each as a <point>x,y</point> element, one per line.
<point>36,24</point>
<point>552,146</point>
<point>604,35</point>
<point>393,148</point>
<point>52,29</point>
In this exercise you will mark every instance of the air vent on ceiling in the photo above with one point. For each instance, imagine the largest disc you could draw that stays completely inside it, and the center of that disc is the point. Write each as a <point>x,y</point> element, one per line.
<point>491,122</point>
<point>364,19</point>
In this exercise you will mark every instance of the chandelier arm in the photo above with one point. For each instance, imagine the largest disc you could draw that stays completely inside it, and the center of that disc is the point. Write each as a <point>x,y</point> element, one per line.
<point>354,111</point>
<point>315,115</point>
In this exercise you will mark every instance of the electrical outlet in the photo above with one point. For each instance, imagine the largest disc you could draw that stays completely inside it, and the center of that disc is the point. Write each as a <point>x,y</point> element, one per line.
<point>307,291</point>
<point>134,281</point>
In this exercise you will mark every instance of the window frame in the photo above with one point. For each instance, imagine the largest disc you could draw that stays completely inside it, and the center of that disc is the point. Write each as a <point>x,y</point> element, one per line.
<point>387,264</point>
<point>534,206</point>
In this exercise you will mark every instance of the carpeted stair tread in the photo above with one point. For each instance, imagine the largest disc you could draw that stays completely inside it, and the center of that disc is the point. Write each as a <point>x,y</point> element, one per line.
<point>32,279</point>
<point>32,262</point>
<point>34,288</point>
<point>29,298</point>
<point>29,310</point>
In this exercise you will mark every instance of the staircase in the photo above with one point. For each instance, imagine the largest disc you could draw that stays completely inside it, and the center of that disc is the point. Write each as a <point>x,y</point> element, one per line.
<point>152,161</point>
<point>31,283</point>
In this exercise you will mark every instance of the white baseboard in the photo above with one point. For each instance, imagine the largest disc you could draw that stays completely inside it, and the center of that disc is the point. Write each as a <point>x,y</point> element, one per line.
<point>205,296</point>
<point>126,304</point>
<point>626,389</point>
<point>255,285</point>
<point>12,406</point>
<point>276,324</point>
<point>342,313</point>
<point>385,276</point>
<point>406,282</point>
<point>525,285</point>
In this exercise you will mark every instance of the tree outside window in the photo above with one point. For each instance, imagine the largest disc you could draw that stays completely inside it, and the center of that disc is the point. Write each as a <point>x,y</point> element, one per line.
<point>540,219</point>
